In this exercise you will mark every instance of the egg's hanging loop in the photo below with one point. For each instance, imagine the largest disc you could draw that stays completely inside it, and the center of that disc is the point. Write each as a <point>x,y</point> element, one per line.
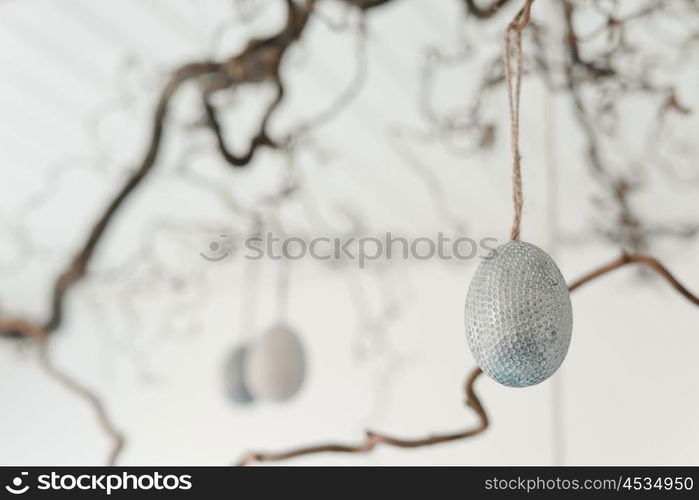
<point>513,79</point>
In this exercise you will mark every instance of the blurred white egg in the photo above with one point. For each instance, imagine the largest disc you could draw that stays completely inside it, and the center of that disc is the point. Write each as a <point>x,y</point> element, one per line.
<point>275,366</point>
<point>234,378</point>
<point>519,318</point>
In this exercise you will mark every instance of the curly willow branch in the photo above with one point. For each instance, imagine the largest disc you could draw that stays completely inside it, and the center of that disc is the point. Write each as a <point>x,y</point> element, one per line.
<point>258,62</point>
<point>644,260</point>
<point>88,396</point>
<point>484,12</point>
<point>373,438</point>
<point>68,382</point>
<point>79,266</point>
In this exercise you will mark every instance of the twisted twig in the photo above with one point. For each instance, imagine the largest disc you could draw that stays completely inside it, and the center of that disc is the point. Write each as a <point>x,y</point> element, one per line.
<point>257,63</point>
<point>644,260</point>
<point>484,12</point>
<point>374,438</point>
<point>87,395</point>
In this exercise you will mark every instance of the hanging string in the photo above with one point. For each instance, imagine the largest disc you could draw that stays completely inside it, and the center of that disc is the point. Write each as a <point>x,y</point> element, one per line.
<point>283,275</point>
<point>514,85</point>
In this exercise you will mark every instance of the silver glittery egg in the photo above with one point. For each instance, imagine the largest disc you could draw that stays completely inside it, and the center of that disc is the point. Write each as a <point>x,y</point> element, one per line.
<point>518,317</point>
<point>275,367</point>
<point>234,378</point>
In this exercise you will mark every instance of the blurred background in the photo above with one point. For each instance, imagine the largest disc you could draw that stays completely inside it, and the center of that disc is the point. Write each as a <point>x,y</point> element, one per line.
<point>393,118</point>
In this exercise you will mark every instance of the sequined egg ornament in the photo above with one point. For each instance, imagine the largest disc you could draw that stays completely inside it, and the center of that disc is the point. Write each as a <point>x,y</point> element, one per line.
<point>518,315</point>
<point>275,367</point>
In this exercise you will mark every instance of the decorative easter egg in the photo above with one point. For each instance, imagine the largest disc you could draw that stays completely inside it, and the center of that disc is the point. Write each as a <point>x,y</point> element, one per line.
<point>275,366</point>
<point>518,317</point>
<point>234,378</point>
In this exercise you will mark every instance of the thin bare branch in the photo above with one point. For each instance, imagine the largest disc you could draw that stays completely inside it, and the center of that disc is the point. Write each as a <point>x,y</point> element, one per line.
<point>89,396</point>
<point>484,12</point>
<point>374,438</point>
<point>644,260</point>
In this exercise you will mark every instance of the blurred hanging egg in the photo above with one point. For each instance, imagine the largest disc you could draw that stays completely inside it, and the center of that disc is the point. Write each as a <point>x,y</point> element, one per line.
<point>518,317</point>
<point>234,378</point>
<point>275,366</point>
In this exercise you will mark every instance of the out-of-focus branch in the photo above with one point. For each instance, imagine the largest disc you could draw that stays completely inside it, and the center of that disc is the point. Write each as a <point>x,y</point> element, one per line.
<point>260,139</point>
<point>593,70</point>
<point>374,438</point>
<point>89,397</point>
<point>367,4</point>
<point>484,12</point>
<point>77,269</point>
<point>259,62</point>
<point>17,327</point>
